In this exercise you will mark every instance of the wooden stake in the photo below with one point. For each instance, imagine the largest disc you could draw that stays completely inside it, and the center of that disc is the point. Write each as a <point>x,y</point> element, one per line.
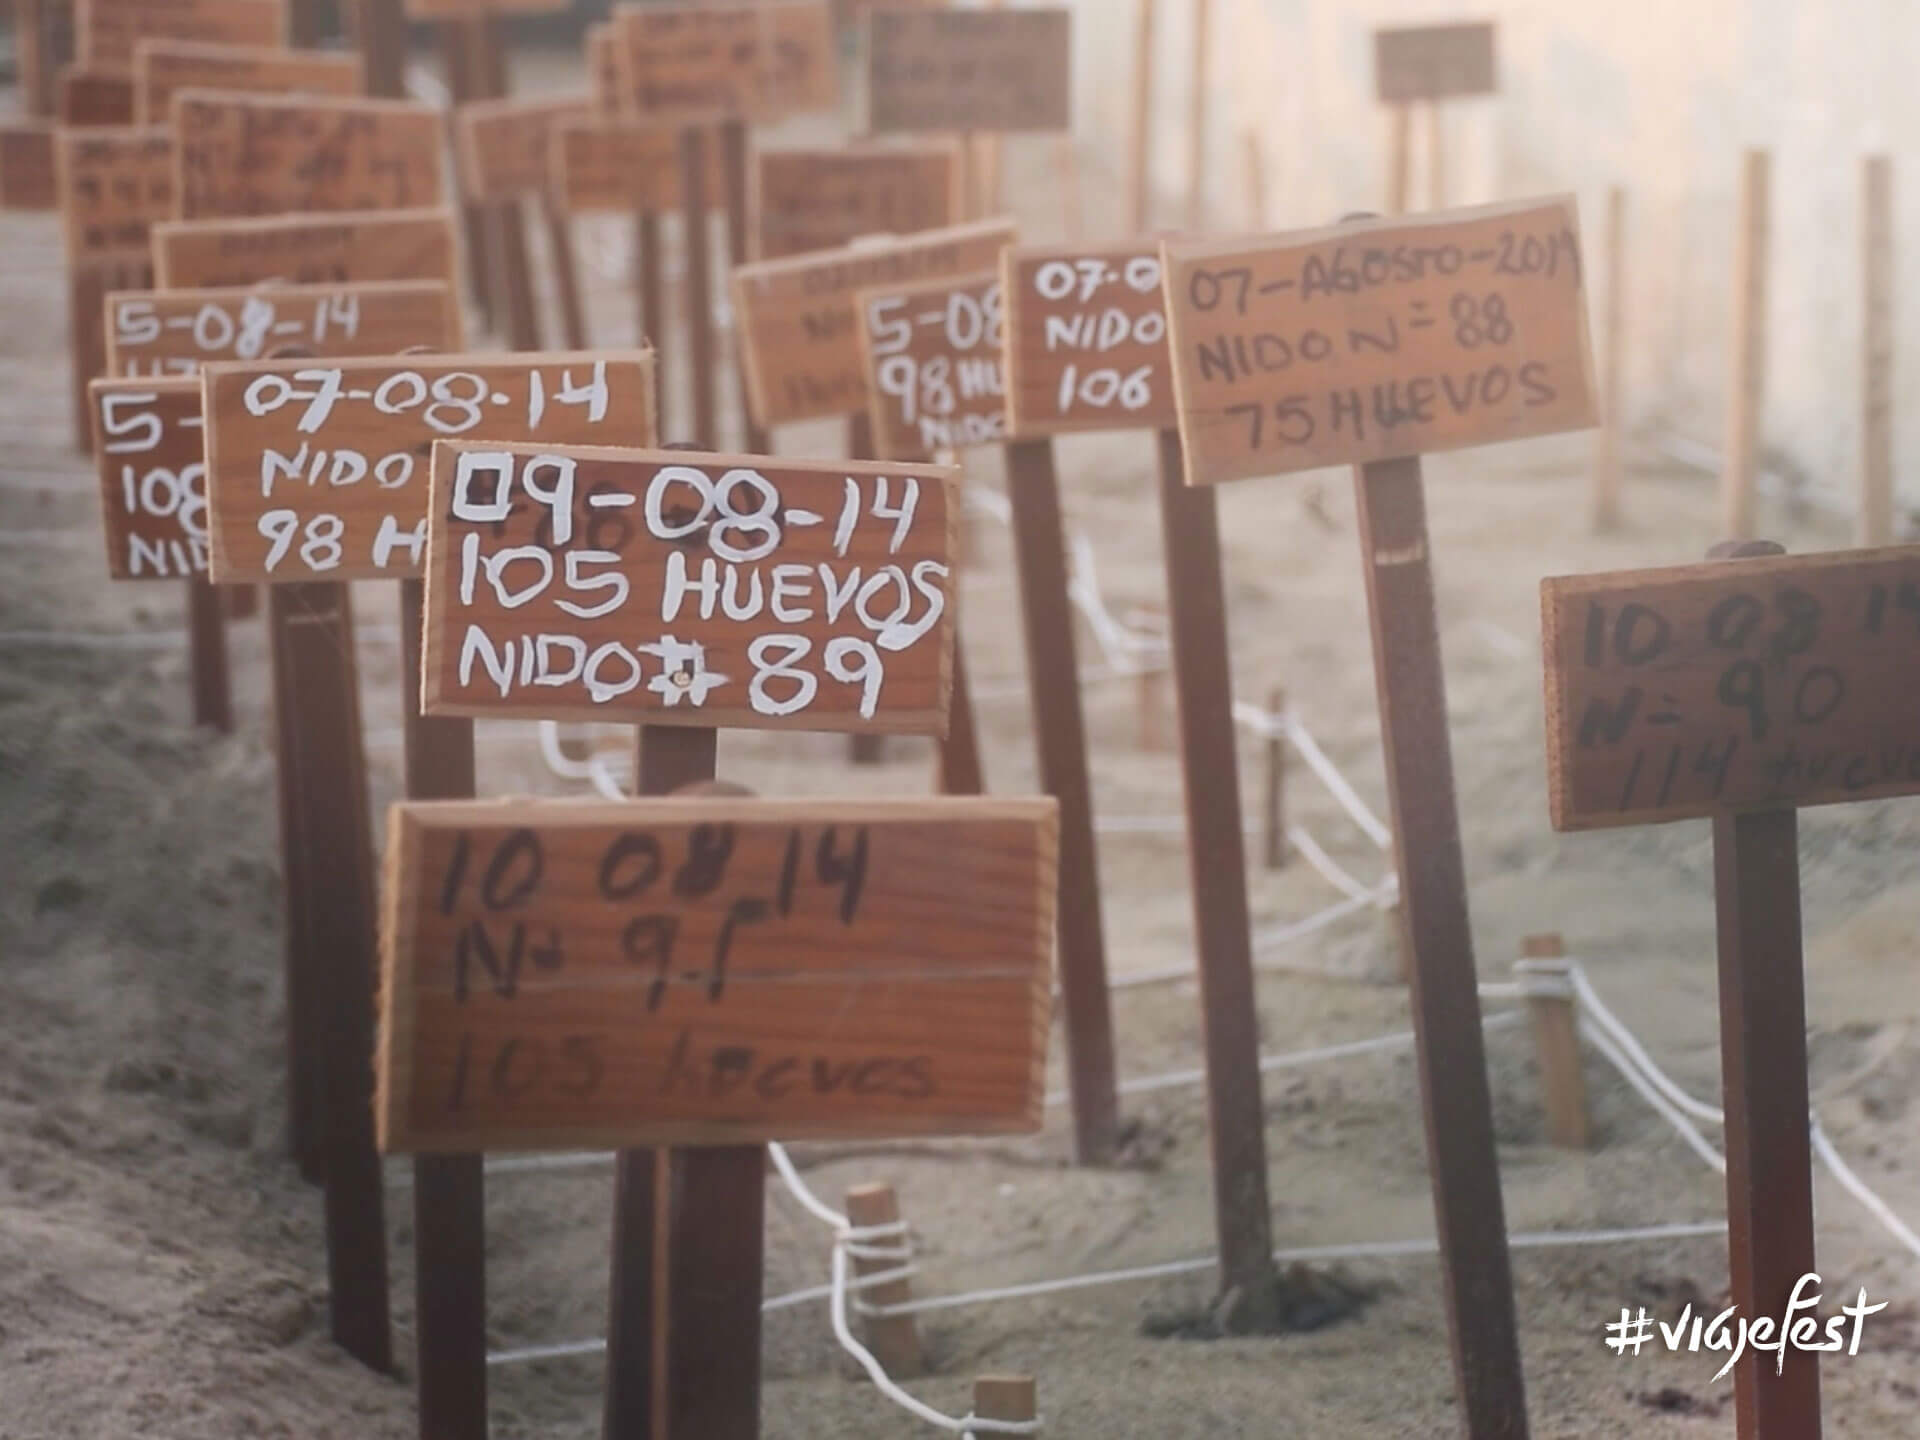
<point>1276,786</point>
<point>31,60</point>
<point>1446,1002</point>
<point>1006,1397</point>
<point>717,1265</point>
<point>1436,158</point>
<point>1399,159</point>
<point>866,748</point>
<point>1257,222</point>
<point>635,1398</point>
<point>566,272</point>
<point>735,148</point>
<point>207,636</point>
<point>697,284</point>
<point>380,35</point>
<point>960,770</point>
<point>894,1339</point>
<point>513,277</point>
<point>1556,1044</point>
<point>304,971</point>
<point>1150,703</point>
<point>1876,357</point>
<point>650,293</point>
<point>1197,119</point>
<point>1747,366</point>
<point>460,47</point>
<point>1140,163</point>
<point>1203,683</point>
<point>1604,511</point>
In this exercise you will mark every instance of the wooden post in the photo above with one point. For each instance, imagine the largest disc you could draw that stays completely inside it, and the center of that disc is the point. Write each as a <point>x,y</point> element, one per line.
<point>735,153</point>
<point>31,61</point>
<point>1276,786</point>
<point>960,770</point>
<point>1140,162</point>
<point>330,887</point>
<point>1203,682</point>
<point>1436,158</point>
<point>1197,119</point>
<point>1256,159</point>
<point>1461,1158</point>
<point>697,284</point>
<point>508,246</point>
<point>1556,1044</point>
<point>1876,357</point>
<point>304,971</point>
<point>449,1194</point>
<point>1747,365</point>
<point>1006,1397</point>
<point>650,293</point>
<point>866,747</point>
<point>1399,158</point>
<point>716,1270</point>
<point>1604,512</point>
<point>1150,702</point>
<point>566,271</point>
<point>380,35</point>
<point>207,635</point>
<point>1061,733</point>
<point>460,46</point>
<point>894,1339</point>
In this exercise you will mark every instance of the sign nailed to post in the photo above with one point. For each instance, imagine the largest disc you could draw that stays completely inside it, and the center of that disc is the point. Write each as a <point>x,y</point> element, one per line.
<point>1086,339</point>
<point>319,471</point>
<point>1374,340</point>
<point>713,971</point>
<point>153,484</point>
<point>759,60</point>
<point>305,249</point>
<point>160,67</point>
<point>1432,62</point>
<point>820,199</point>
<point>933,365</point>
<point>1705,689</point>
<point>114,182</point>
<point>620,166</point>
<point>506,146</point>
<point>683,588</point>
<point>959,70</point>
<point>108,31</point>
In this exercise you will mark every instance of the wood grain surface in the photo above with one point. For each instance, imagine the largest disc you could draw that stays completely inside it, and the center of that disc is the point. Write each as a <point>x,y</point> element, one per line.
<point>160,67</point>
<point>951,71</point>
<point>933,365</point>
<point>107,32</point>
<point>760,60</point>
<point>306,249</point>
<point>153,488</point>
<point>114,182</point>
<point>819,199</point>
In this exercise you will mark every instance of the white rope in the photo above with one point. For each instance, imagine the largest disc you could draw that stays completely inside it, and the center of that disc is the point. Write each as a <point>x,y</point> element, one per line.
<point>1311,852</point>
<point>556,757</point>
<point>1856,1187</point>
<point>604,780</point>
<point>1632,1074</point>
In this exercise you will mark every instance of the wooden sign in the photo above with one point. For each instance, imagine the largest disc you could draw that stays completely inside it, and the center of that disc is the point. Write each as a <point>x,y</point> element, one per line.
<point>160,67</point>
<point>683,588</point>
<point>1432,62</point>
<point>27,167</point>
<point>759,60</point>
<point>306,249</point>
<point>505,147</point>
<point>796,315</point>
<point>1086,339</point>
<point>153,482</point>
<point>604,75</point>
<point>820,199</point>
<point>478,9</point>
<point>624,166</point>
<point>1758,684</point>
<point>319,471</point>
<point>95,97</point>
<point>175,332</point>
<point>110,30</point>
<point>713,971</point>
<point>114,182</point>
<point>932,353</point>
<point>959,70</point>
<point>1378,339</point>
<point>259,155</point>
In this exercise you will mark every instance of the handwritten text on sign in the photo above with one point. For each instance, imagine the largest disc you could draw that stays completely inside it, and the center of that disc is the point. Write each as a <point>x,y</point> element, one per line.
<point>319,470</point>
<point>1086,340</point>
<point>506,146</point>
<point>305,249</point>
<point>1367,341</point>
<point>685,588</point>
<point>108,31</point>
<point>160,67</point>
<point>153,484</point>
<point>819,199</point>
<point>1431,62</point>
<point>933,365</point>
<point>1700,689</point>
<point>713,971</point>
<point>175,332</point>
<point>114,182</point>
<point>620,166</point>
<point>762,60</point>
<point>956,70</point>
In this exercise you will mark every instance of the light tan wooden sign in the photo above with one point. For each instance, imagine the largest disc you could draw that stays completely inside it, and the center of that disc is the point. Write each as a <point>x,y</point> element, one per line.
<point>932,353</point>
<point>1086,339</point>
<point>821,199</point>
<point>1377,339</point>
<point>713,971</point>
<point>760,58</point>
<point>609,166</point>
<point>153,481</point>
<point>261,155</point>
<point>1432,62</point>
<point>175,332</point>
<point>108,31</point>
<point>160,67</point>
<point>27,167</point>
<point>319,469</point>
<point>1732,685</point>
<point>960,70</point>
<point>684,588</point>
<point>306,249</point>
<point>114,182</point>
<point>796,316</point>
<point>506,146</point>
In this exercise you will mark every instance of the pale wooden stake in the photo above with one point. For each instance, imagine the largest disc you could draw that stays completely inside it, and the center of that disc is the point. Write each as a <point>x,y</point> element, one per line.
<point>1256,181</point>
<point>1399,138</point>
<point>894,1339</point>
<point>1605,507</point>
<point>1876,358</point>
<point>1006,1397</point>
<point>1436,158</point>
<point>1197,120</point>
<point>1151,692</point>
<point>1276,786</point>
<point>1139,167</point>
<point>1747,367</point>
<point>1556,1042</point>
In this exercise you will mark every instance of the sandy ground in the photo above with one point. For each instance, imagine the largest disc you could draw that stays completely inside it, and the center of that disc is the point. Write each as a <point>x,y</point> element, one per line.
<point>161,1267</point>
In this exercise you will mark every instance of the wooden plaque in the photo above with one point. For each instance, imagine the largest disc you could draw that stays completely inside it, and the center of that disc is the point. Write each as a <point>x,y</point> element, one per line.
<point>153,480</point>
<point>114,182</point>
<point>506,146</point>
<point>932,352</point>
<point>1732,685</point>
<point>1086,339</point>
<point>261,155</point>
<point>1377,339</point>
<point>961,70</point>
<point>674,587</point>
<point>306,249</point>
<point>713,971</point>
<point>479,9</point>
<point>160,67</point>
<point>822,199</point>
<point>27,166</point>
<point>108,31</point>
<point>318,469</point>
<point>620,166</point>
<point>175,332</point>
<point>95,97</point>
<point>1433,62</point>
<point>796,322</point>
<point>758,58</point>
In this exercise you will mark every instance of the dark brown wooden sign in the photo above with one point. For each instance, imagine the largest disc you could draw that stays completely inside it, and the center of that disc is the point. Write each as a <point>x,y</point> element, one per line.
<point>27,167</point>
<point>115,182</point>
<point>153,483</point>
<point>1433,62</point>
<point>959,70</point>
<point>760,60</point>
<point>306,249</point>
<point>821,199</point>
